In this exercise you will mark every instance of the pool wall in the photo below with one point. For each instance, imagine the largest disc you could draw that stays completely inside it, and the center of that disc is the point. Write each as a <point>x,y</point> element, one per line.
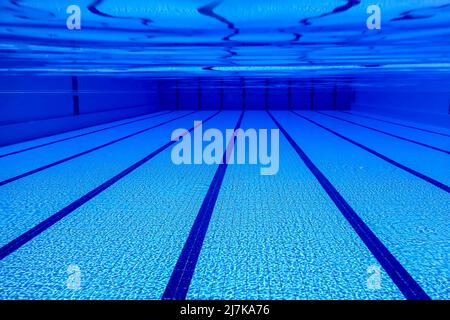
<point>38,106</point>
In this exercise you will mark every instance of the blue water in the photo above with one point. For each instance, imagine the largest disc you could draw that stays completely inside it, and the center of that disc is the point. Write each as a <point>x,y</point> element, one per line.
<point>216,38</point>
<point>286,241</point>
<point>87,180</point>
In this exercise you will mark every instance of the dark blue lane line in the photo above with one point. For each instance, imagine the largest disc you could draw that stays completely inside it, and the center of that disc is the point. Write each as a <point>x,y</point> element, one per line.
<point>75,96</point>
<point>28,173</point>
<point>58,216</point>
<point>404,281</point>
<point>397,123</point>
<point>81,135</point>
<point>434,182</point>
<point>386,133</point>
<point>181,277</point>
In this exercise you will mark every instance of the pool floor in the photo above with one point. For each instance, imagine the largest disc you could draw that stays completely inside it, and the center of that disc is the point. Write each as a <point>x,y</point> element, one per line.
<point>359,209</point>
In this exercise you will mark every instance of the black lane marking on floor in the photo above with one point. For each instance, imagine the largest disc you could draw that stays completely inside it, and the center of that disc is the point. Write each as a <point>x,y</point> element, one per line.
<point>222,93</point>
<point>28,173</point>
<point>181,277</point>
<point>335,97</point>
<point>404,281</point>
<point>81,135</point>
<point>434,182</point>
<point>177,95</point>
<point>398,124</point>
<point>75,97</point>
<point>199,94</point>
<point>386,133</point>
<point>289,94</point>
<point>243,94</point>
<point>44,225</point>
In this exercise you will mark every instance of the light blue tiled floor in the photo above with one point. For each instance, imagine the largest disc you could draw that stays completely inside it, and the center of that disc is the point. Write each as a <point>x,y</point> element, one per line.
<point>285,241</point>
<point>429,138</point>
<point>270,237</point>
<point>409,215</point>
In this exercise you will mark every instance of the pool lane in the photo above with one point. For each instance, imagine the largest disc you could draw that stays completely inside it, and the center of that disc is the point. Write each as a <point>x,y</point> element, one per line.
<point>428,140</point>
<point>39,143</point>
<point>409,215</point>
<point>181,277</point>
<point>426,161</point>
<point>18,147</point>
<point>435,130</point>
<point>28,201</point>
<point>125,241</point>
<point>14,166</point>
<point>281,237</point>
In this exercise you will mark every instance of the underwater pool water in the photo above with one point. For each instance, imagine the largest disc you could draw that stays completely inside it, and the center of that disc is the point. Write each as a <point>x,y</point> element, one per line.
<point>92,205</point>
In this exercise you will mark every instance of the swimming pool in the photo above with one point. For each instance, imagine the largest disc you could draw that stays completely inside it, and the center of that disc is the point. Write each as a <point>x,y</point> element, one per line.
<point>93,206</point>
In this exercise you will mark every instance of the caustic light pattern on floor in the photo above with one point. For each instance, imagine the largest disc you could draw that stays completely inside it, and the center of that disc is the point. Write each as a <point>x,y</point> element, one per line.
<point>358,210</point>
